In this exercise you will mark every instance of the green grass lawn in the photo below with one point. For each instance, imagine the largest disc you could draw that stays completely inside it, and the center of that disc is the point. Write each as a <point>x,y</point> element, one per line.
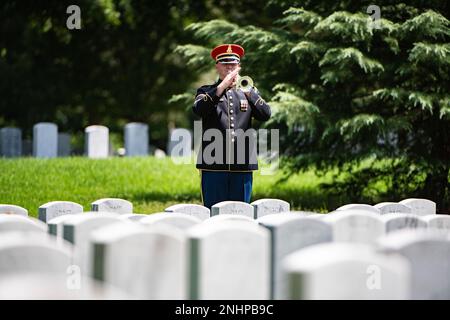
<point>151,184</point>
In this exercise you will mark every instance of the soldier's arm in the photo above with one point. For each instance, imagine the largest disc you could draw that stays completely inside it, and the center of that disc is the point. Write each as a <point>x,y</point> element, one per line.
<point>260,109</point>
<point>205,101</point>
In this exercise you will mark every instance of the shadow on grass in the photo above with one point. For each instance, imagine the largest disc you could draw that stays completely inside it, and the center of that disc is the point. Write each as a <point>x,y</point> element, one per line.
<point>165,197</point>
<point>303,199</point>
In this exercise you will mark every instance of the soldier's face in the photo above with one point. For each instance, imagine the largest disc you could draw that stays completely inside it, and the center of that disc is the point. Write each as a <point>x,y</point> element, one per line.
<point>224,69</point>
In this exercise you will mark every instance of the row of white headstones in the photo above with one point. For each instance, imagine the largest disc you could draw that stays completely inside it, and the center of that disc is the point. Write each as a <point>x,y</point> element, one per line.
<point>237,250</point>
<point>48,143</point>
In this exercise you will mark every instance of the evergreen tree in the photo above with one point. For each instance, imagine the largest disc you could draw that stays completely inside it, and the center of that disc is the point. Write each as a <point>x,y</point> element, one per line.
<point>371,100</point>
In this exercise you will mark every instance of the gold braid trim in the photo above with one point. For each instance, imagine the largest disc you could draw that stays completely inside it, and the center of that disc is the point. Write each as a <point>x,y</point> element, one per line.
<point>208,97</point>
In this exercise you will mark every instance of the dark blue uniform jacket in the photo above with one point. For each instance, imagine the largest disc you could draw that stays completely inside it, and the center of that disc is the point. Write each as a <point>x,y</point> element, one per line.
<point>231,115</point>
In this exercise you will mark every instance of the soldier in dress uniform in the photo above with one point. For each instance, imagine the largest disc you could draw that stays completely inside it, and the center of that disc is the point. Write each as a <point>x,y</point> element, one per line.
<point>227,156</point>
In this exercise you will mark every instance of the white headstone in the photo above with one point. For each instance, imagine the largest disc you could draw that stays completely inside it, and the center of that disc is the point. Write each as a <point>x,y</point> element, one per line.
<point>20,223</point>
<point>421,207</point>
<point>233,207</point>
<point>178,220</point>
<point>229,260</point>
<point>392,207</point>
<point>116,205</point>
<point>355,226</point>
<point>195,210</point>
<point>180,143</point>
<point>13,209</point>
<point>397,221</point>
<point>77,231</point>
<point>55,209</point>
<point>318,215</point>
<point>437,221</point>
<point>22,252</point>
<point>64,146</point>
<point>147,263</point>
<point>291,232</point>
<point>97,141</point>
<point>360,206</point>
<point>10,142</point>
<point>305,213</point>
<point>132,216</point>
<point>227,217</point>
<point>269,206</point>
<point>345,271</point>
<point>428,252</point>
<point>136,139</point>
<point>45,140</point>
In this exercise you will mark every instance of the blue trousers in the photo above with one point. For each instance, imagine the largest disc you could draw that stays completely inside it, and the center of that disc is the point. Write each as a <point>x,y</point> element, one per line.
<point>220,186</point>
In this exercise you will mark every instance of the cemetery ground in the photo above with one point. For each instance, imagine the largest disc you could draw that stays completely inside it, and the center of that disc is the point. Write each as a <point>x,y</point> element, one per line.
<point>150,183</point>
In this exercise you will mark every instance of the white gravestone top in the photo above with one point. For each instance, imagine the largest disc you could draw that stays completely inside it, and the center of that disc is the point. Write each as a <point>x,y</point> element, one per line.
<point>393,207</point>
<point>397,221</point>
<point>233,207</point>
<point>178,220</point>
<point>345,271</point>
<point>195,210</point>
<point>269,206</point>
<point>24,252</point>
<point>115,205</point>
<point>55,209</point>
<point>355,226</point>
<point>13,209</point>
<point>20,223</point>
<point>421,207</point>
<point>359,206</point>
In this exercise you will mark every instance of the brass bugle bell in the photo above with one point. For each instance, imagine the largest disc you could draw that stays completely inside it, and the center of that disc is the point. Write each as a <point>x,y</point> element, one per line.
<point>244,83</point>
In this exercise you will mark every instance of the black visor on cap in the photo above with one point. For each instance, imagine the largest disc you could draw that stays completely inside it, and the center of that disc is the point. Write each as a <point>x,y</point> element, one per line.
<point>228,60</point>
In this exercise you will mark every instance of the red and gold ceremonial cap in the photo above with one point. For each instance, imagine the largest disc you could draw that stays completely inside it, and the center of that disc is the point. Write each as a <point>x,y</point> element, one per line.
<point>227,53</point>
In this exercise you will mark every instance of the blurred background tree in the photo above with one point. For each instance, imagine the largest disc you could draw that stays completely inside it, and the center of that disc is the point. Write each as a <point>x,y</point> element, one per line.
<point>372,102</point>
<point>118,67</point>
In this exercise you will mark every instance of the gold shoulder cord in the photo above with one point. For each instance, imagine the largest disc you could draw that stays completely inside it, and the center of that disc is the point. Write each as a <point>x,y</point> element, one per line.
<point>201,96</point>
